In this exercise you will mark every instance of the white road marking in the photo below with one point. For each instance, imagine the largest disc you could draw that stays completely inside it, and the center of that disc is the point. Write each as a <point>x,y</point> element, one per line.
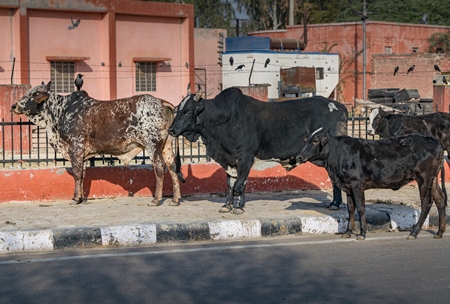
<point>200,249</point>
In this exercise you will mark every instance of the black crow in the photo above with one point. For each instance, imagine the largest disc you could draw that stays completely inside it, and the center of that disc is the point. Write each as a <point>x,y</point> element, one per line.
<point>239,67</point>
<point>74,25</point>
<point>436,68</point>
<point>396,70</point>
<point>231,61</point>
<point>411,69</point>
<point>78,82</point>
<point>267,62</point>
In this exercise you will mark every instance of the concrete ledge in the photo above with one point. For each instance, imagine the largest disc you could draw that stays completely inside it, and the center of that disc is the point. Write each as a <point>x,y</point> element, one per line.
<point>146,234</point>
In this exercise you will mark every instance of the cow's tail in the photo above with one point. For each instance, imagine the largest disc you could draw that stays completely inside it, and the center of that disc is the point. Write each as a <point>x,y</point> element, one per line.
<point>443,181</point>
<point>178,161</point>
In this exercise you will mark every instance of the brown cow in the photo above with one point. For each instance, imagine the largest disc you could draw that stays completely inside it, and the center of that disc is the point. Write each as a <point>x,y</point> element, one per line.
<point>80,127</point>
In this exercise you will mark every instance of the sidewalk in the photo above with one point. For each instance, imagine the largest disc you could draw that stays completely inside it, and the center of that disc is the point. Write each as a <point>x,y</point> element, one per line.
<point>129,221</point>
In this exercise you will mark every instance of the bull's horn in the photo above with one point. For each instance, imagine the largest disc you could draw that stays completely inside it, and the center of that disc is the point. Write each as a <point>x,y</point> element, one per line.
<point>188,89</point>
<point>198,96</point>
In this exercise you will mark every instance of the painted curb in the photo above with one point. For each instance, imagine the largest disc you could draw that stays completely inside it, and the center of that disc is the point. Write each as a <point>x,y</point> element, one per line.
<point>147,234</point>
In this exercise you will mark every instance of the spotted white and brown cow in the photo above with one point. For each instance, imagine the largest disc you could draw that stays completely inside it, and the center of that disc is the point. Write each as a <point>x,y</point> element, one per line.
<point>80,127</point>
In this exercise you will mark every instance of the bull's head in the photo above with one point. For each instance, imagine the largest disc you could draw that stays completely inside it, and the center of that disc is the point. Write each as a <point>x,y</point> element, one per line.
<point>31,103</point>
<point>316,147</point>
<point>188,117</point>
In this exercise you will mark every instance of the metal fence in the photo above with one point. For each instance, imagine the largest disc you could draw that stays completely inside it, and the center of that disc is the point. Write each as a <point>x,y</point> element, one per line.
<point>25,145</point>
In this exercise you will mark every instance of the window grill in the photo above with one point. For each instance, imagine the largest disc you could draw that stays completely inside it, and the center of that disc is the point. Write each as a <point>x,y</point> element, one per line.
<point>62,76</point>
<point>145,76</point>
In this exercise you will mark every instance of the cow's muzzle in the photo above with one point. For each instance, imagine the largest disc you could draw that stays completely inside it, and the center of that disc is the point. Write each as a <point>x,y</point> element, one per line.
<point>172,132</point>
<point>16,109</point>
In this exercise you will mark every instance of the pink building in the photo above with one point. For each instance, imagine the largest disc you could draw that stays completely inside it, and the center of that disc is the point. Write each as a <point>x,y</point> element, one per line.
<point>122,47</point>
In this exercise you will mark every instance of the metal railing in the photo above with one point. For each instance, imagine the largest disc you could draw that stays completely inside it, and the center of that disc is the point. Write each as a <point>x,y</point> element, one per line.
<point>25,145</point>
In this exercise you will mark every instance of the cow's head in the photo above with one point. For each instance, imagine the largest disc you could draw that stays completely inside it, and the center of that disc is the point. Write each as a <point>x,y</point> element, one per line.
<point>188,117</point>
<point>31,103</point>
<point>375,121</point>
<point>316,147</point>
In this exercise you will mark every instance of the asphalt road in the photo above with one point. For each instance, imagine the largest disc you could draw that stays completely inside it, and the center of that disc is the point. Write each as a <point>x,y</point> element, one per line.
<point>385,268</point>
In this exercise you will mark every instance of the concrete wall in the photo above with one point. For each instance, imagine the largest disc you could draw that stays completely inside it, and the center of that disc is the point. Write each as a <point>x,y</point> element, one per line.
<point>57,183</point>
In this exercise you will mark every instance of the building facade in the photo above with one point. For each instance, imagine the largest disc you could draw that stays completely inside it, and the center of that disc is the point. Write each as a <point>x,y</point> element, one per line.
<point>122,47</point>
<point>404,43</point>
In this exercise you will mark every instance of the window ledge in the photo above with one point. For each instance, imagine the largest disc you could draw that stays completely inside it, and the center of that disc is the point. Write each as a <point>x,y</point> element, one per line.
<point>150,59</point>
<point>66,58</point>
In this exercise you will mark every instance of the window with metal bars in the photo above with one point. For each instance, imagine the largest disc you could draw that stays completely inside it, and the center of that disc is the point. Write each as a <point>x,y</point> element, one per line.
<point>145,76</point>
<point>62,76</point>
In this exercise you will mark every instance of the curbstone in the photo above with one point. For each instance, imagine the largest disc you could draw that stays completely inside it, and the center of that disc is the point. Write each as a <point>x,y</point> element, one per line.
<point>383,219</point>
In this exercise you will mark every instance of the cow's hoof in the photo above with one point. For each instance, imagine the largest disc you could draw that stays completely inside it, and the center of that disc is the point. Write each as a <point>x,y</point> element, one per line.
<point>361,237</point>
<point>238,211</point>
<point>173,203</point>
<point>346,236</point>
<point>225,208</point>
<point>155,202</point>
<point>333,206</point>
<point>75,202</point>
<point>411,237</point>
<point>437,236</point>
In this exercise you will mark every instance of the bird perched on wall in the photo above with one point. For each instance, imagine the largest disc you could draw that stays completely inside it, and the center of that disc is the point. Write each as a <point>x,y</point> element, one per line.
<point>436,68</point>
<point>444,80</point>
<point>78,81</point>
<point>231,61</point>
<point>411,69</point>
<point>396,70</point>
<point>239,67</point>
<point>74,25</point>
<point>267,62</point>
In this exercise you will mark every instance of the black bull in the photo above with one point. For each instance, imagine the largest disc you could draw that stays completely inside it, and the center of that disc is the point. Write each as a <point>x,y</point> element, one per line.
<point>236,129</point>
<point>357,164</point>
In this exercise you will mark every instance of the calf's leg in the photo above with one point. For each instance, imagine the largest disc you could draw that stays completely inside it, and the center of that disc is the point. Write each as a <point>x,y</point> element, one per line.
<point>361,207</point>
<point>425,189</point>
<point>351,216</point>
<point>439,200</point>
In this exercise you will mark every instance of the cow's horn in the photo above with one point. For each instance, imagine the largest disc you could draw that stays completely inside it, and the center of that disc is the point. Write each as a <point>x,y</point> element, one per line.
<point>198,96</point>
<point>188,91</point>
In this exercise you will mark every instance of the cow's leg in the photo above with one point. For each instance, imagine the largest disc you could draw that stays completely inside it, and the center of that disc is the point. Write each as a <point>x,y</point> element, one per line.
<point>230,195</point>
<point>337,198</point>
<point>425,189</point>
<point>243,170</point>
<point>360,202</point>
<point>78,171</point>
<point>170,162</point>
<point>158,167</point>
<point>439,199</point>
<point>351,216</point>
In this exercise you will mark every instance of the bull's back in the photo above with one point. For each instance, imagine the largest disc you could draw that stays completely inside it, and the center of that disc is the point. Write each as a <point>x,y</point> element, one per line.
<point>282,125</point>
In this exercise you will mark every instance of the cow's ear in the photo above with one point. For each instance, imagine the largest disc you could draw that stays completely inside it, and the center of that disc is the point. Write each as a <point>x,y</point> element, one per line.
<point>199,108</point>
<point>40,97</point>
<point>305,138</point>
<point>324,138</point>
<point>48,85</point>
